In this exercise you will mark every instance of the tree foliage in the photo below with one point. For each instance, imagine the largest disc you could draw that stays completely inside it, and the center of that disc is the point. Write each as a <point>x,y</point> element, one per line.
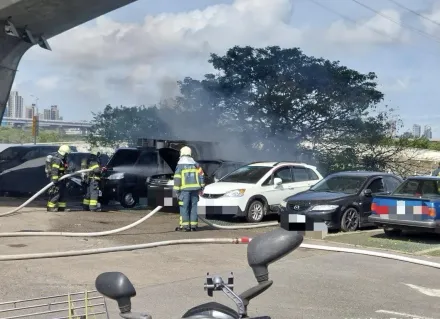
<point>277,101</point>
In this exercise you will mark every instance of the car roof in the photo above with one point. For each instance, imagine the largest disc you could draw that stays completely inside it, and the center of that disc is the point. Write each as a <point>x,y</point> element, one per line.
<point>425,177</point>
<point>361,173</point>
<point>273,164</point>
<point>219,161</point>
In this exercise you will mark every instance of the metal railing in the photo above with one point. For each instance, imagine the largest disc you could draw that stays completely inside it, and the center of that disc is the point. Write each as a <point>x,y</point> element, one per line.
<point>78,305</point>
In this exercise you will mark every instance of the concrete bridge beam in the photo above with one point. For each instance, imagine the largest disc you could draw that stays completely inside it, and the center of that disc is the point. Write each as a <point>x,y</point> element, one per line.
<point>11,51</point>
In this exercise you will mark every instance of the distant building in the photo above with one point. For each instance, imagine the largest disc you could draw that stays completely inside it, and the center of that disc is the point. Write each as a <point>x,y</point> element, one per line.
<point>30,111</point>
<point>54,112</point>
<point>15,105</point>
<point>417,130</point>
<point>427,132</point>
<point>46,114</point>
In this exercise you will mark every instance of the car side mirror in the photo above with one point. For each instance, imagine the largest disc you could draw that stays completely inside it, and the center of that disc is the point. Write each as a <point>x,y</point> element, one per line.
<point>116,286</point>
<point>368,193</point>
<point>269,247</point>
<point>277,181</point>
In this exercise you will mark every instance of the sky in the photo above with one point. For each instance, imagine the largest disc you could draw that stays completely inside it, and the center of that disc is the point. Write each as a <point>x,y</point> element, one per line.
<point>135,55</point>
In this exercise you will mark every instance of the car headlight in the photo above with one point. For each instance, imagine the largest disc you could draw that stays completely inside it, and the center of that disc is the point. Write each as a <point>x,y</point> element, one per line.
<point>235,193</point>
<point>116,176</point>
<point>324,207</point>
<point>283,204</point>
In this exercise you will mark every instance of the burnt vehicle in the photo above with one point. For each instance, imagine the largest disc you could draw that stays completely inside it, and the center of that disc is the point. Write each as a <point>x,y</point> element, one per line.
<point>33,173</point>
<point>126,174</point>
<point>342,200</point>
<point>160,187</point>
<point>24,163</point>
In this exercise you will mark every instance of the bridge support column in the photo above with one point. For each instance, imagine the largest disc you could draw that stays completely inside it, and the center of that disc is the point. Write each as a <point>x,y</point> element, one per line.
<point>11,51</point>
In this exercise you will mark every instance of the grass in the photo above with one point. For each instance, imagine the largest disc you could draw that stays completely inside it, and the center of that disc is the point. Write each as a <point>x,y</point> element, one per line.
<point>408,242</point>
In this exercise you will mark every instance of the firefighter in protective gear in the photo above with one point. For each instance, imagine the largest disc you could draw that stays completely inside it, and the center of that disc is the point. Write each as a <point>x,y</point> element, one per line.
<point>58,168</point>
<point>188,182</point>
<point>92,180</point>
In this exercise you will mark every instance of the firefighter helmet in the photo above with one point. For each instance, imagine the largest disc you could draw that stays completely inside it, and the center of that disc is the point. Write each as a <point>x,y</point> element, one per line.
<point>64,150</point>
<point>185,151</point>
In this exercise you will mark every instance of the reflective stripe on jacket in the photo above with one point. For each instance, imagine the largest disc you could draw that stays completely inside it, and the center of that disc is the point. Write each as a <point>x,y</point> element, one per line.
<point>188,176</point>
<point>96,170</point>
<point>57,168</point>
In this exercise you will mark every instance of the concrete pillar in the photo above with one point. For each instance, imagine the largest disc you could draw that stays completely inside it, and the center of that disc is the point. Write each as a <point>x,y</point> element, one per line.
<point>11,51</point>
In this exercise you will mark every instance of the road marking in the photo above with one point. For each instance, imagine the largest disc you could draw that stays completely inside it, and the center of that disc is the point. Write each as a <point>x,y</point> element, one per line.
<point>407,315</point>
<point>426,291</point>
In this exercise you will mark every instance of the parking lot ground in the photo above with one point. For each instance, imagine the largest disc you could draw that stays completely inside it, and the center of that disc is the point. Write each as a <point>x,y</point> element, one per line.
<point>408,242</point>
<point>169,280</point>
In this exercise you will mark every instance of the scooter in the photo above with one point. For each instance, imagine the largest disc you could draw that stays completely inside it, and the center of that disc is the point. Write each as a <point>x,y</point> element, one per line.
<point>261,252</point>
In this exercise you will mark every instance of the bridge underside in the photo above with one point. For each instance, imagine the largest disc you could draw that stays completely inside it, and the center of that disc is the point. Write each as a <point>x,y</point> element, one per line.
<point>46,18</point>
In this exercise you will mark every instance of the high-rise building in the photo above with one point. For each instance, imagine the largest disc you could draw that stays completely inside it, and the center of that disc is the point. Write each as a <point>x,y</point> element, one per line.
<point>15,105</point>
<point>30,111</point>
<point>46,114</point>
<point>427,132</point>
<point>417,130</point>
<point>54,112</point>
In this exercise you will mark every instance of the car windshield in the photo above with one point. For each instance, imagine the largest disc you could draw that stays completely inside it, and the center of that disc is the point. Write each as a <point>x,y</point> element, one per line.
<point>340,184</point>
<point>124,158</point>
<point>209,167</point>
<point>419,188</point>
<point>246,174</point>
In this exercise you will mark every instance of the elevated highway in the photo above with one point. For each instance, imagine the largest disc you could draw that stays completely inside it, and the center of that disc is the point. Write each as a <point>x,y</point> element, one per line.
<point>43,19</point>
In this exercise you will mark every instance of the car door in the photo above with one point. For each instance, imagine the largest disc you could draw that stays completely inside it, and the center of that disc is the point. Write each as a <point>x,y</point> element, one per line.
<point>301,179</point>
<point>377,187</point>
<point>276,193</point>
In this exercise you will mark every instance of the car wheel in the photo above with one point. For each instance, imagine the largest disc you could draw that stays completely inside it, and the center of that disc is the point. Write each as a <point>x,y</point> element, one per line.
<point>129,200</point>
<point>350,220</point>
<point>392,232</point>
<point>255,212</point>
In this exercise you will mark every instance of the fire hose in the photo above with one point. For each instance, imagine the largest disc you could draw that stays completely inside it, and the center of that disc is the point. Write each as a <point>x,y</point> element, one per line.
<point>238,240</point>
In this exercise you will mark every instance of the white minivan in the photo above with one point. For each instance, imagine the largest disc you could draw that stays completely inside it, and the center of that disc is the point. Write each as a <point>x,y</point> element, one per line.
<point>254,190</point>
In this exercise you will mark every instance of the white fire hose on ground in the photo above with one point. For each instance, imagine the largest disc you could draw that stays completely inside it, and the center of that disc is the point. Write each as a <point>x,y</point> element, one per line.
<point>238,240</point>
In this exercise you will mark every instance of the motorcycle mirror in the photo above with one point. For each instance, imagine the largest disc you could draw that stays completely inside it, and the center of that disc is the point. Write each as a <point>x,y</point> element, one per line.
<point>116,286</point>
<point>270,247</point>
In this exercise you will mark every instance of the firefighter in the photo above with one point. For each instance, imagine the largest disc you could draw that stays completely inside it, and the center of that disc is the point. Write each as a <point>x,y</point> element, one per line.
<point>188,182</point>
<point>58,166</point>
<point>92,180</point>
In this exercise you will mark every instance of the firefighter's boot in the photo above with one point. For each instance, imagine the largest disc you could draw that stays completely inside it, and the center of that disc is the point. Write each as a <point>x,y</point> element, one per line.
<point>52,209</point>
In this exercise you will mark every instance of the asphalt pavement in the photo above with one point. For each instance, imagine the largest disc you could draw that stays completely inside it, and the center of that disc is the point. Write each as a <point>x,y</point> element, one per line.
<point>169,280</point>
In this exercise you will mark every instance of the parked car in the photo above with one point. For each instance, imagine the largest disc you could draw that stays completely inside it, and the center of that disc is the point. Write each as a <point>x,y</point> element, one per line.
<point>256,189</point>
<point>126,173</point>
<point>160,187</point>
<point>342,200</point>
<point>414,205</point>
<point>24,163</point>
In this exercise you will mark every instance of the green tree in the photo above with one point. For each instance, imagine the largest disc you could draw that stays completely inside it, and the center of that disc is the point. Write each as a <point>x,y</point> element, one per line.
<point>116,125</point>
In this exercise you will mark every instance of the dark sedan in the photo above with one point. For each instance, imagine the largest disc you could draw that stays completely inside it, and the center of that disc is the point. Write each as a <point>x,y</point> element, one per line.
<point>342,200</point>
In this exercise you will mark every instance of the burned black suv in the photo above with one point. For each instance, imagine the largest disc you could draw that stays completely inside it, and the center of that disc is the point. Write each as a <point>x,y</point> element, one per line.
<point>127,173</point>
<point>160,187</point>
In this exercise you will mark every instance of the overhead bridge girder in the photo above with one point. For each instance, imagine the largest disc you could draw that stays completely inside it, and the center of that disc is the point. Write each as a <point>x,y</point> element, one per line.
<point>37,21</point>
<point>11,51</point>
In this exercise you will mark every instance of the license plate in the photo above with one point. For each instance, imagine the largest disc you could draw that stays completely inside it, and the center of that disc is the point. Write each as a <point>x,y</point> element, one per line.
<point>99,193</point>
